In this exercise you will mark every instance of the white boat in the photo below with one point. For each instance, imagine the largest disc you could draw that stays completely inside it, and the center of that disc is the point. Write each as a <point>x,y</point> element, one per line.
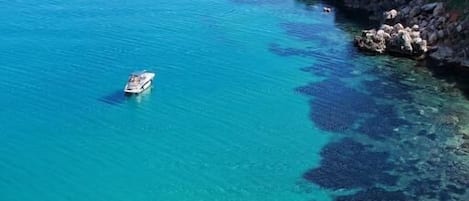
<point>139,81</point>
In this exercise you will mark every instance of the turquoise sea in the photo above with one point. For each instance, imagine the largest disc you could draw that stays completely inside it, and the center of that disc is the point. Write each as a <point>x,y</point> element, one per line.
<point>250,101</point>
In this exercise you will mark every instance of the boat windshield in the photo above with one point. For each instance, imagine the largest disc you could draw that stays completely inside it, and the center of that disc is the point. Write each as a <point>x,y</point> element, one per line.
<point>134,78</point>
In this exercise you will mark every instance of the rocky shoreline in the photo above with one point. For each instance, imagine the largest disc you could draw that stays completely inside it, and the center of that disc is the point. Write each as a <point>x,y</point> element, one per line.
<point>417,29</point>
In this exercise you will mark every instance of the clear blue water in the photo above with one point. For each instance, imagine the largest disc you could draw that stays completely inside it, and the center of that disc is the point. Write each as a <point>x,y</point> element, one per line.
<point>224,120</point>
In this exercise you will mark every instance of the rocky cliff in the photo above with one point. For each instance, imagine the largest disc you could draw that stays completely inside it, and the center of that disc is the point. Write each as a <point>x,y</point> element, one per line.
<point>417,28</point>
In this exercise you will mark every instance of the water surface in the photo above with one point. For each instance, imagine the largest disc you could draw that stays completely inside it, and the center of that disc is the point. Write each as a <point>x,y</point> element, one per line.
<point>247,96</point>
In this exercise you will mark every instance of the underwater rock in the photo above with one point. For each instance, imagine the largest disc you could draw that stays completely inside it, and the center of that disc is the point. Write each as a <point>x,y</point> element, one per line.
<point>335,106</point>
<point>383,124</point>
<point>350,164</point>
<point>443,53</point>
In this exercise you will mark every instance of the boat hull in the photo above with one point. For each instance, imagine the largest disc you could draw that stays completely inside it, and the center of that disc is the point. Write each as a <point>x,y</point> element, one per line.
<point>146,84</point>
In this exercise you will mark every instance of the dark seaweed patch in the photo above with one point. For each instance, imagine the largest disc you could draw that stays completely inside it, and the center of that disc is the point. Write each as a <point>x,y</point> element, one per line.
<point>431,136</point>
<point>349,164</point>
<point>336,107</point>
<point>375,194</point>
<point>455,189</point>
<point>382,125</point>
<point>425,187</point>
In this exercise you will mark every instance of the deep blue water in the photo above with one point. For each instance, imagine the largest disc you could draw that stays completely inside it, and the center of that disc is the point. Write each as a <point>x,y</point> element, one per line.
<point>254,100</point>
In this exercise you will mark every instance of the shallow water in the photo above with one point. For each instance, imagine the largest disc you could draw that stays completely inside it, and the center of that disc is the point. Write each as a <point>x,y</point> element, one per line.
<point>250,101</point>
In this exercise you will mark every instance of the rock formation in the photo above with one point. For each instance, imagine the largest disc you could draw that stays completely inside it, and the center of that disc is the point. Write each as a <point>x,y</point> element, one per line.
<point>416,28</point>
<point>393,39</point>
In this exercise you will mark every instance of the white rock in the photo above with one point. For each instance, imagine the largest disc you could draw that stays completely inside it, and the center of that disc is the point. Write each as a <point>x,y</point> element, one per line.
<point>415,34</point>
<point>386,28</point>
<point>397,27</point>
<point>390,14</point>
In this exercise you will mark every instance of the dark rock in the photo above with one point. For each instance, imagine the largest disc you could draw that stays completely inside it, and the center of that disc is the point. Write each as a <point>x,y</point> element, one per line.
<point>439,9</point>
<point>414,11</point>
<point>443,53</point>
<point>429,7</point>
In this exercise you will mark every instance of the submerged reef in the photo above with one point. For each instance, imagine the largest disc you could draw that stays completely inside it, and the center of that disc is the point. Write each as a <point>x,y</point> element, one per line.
<point>350,164</point>
<point>401,132</point>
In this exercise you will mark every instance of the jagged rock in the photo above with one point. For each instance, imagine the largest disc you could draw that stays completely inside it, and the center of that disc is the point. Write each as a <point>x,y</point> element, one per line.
<point>423,23</point>
<point>389,15</point>
<point>439,9</point>
<point>433,38</point>
<point>406,41</point>
<point>397,27</point>
<point>441,20</point>
<point>414,34</point>
<point>429,7</point>
<point>371,41</point>
<point>386,28</point>
<point>441,34</point>
<point>414,11</point>
<point>405,10</point>
<point>420,46</point>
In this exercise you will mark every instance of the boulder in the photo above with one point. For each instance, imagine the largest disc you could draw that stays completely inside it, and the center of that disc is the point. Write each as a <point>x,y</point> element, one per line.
<point>441,20</point>
<point>372,41</point>
<point>442,54</point>
<point>420,46</point>
<point>389,15</point>
<point>415,34</point>
<point>386,28</point>
<point>415,27</point>
<point>429,7</point>
<point>382,34</point>
<point>439,9</point>
<point>441,34</point>
<point>397,27</point>
<point>459,28</point>
<point>406,41</point>
<point>405,10</point>
<point>414,11</point>
<point>423,23</point>
<point>433,38</point>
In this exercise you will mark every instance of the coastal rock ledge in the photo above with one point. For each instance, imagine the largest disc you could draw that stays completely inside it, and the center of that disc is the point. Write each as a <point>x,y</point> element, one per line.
<point>393,39</point>
<point>418,28</point>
